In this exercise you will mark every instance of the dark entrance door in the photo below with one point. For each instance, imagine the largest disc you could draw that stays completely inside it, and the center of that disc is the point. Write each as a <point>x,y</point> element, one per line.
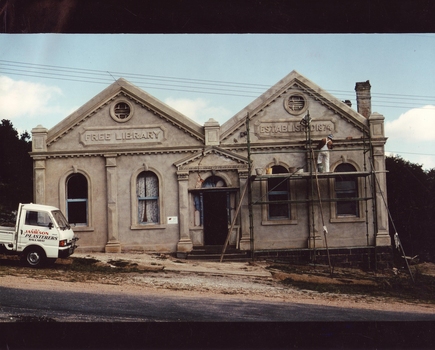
<point>215,217</point>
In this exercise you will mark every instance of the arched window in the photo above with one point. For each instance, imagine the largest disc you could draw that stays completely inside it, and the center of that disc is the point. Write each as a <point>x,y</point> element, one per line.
<point>213,181</point>
<point>147,191</point>
<point>278,189</point>
<point>77,200</point>
<point>346,186</point>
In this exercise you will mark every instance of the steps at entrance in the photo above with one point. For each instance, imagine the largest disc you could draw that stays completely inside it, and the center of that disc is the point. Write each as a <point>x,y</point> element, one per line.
<point>213,253</point>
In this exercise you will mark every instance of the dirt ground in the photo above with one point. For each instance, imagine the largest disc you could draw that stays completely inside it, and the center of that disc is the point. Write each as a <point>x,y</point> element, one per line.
<point>132,273</point>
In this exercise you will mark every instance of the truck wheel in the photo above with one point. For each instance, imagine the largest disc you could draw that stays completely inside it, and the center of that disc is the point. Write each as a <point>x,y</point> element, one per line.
<point>34,257</point>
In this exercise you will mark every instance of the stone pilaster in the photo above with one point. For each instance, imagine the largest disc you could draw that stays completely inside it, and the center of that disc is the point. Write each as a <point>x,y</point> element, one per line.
<point>113,245</point>
<point>39,144</point>
<point>185,244</point>
<point>245,240</point>
<point>39,139</point>
<point>382,234</point>
<point>315,239</point>
<point>39,180</point>
<point>212,132</point>
<point>376,121</point>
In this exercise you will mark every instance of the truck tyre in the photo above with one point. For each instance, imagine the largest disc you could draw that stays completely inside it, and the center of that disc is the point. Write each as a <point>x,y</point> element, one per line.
<point>34,257</point>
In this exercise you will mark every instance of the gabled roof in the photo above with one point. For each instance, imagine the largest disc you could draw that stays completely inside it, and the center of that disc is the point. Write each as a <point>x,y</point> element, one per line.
<point>294,80</point>
<point>123,87</point>
<point>196,159</point>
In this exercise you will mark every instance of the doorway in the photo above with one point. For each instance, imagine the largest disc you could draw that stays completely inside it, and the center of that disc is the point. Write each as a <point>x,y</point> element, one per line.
<point>215,217</point>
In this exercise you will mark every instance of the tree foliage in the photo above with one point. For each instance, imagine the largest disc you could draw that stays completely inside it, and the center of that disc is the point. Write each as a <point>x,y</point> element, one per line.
<point>410,200</point>
<point>16,169</point>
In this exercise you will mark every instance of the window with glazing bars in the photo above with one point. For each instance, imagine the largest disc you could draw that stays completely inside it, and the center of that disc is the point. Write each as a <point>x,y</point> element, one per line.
<point>77,200</point>
<point>278,189</point>
<point>346,186</point>
<point>147,190</point>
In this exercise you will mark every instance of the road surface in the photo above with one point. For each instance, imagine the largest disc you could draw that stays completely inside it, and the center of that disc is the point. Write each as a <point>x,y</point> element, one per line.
<point>16,304</point>
<point>106,320</point>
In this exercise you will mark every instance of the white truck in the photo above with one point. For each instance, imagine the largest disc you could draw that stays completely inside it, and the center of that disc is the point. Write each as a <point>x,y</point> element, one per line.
<point>41,235</point>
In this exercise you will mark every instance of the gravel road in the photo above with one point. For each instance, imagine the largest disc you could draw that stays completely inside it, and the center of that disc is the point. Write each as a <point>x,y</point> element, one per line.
<point>164,274</point>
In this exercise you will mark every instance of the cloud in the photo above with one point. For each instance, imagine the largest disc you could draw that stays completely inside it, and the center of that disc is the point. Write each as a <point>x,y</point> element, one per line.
<point>411,136</point>
<point>199,109</point>
<point>415,125</point>
<point>20,99</point>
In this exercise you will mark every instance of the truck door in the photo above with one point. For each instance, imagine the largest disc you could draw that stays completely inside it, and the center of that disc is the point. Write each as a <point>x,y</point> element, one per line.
<point>37,228</point>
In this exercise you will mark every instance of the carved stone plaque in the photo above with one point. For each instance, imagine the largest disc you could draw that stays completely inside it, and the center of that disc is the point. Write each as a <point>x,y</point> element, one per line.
<point>291,129</point>
<point>122,135</point>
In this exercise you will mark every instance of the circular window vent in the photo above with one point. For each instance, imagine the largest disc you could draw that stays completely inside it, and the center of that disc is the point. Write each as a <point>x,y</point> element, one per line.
<point>121,111</point>
<point>296,104</point>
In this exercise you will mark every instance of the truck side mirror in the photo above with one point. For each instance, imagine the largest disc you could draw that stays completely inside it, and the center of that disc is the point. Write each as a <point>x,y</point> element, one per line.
<point>50,225</point>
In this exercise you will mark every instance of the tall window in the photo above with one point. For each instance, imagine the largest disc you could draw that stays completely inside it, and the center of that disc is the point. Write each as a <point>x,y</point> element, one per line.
<point>147,191</point>
<point>278,189</point>
<point>77,200</point>
<point>346,186</point>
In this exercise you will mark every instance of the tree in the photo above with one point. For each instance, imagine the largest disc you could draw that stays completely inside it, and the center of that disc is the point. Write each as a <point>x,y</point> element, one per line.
<point>411,204</point>
<point>16,168</point>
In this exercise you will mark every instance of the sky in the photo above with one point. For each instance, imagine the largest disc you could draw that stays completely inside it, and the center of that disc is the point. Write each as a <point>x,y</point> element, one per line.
<point>46,77</point>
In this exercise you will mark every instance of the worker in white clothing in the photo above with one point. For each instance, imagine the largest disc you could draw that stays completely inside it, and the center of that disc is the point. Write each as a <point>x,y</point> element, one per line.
<point>323,158</point>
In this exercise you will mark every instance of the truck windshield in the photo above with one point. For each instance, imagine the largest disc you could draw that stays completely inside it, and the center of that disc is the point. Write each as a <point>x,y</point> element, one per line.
<point>62,222</point>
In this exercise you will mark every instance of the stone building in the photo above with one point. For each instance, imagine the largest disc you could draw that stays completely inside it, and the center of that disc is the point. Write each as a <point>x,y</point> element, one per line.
<point>132,173</point>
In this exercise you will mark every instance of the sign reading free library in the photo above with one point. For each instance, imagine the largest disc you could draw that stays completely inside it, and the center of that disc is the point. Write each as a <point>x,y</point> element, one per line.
<point>116,135</point>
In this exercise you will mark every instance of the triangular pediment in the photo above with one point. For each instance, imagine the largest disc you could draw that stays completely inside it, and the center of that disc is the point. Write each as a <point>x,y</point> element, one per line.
<point>212,158</point>
<point>290,100</point>
<point>138,97</point>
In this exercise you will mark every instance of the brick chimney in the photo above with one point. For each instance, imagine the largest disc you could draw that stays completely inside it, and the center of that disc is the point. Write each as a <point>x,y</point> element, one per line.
<point>363,98</point>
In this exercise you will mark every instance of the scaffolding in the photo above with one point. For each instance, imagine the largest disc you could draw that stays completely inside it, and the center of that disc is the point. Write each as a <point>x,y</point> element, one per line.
<point>312,178</point>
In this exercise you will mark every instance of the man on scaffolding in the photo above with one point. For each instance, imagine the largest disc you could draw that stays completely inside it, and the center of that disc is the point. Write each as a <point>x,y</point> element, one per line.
<point>323,158</point>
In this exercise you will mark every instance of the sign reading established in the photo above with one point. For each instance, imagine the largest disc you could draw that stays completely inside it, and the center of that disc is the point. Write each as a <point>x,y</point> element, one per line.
<point>108,136</point>
<point>286,129</point>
